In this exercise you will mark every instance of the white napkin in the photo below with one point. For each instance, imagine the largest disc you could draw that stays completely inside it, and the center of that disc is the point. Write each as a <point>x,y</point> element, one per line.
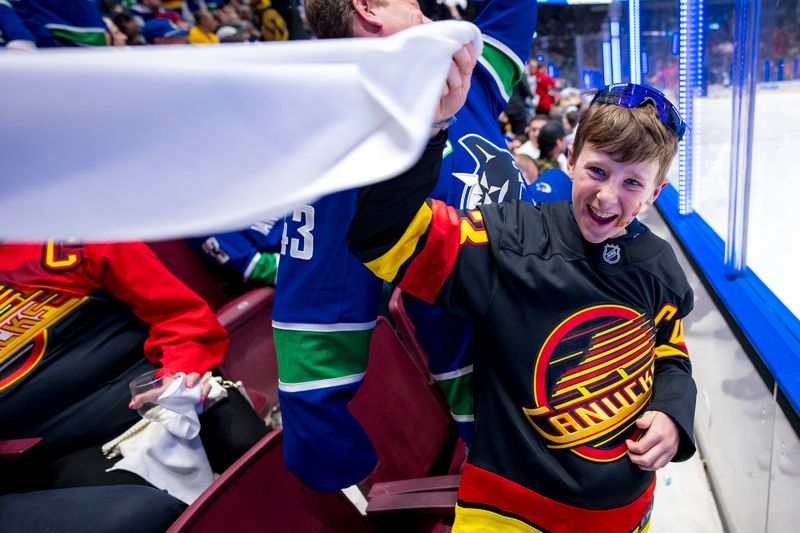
<point>168,452</point>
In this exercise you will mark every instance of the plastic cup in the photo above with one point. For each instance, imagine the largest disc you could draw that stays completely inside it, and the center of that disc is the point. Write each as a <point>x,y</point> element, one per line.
<point>146,388</point>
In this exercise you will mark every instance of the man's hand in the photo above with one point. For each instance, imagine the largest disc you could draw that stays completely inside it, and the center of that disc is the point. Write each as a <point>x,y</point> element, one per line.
<point>454,93</point>
<point>658,445</point>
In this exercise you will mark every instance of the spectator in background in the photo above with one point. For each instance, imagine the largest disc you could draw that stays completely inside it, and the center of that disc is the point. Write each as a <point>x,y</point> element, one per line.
<point>203,30</point>
<point>63,22</point>
<point>553,183</point>
<point>545,87</point>
<point>117,37</point>
<point>570,121</point>
<point>13,33</point>
<point>128,25</point>
<point>278,20</point>
<point>531,147</point>
<point>163,31</point>
<point>527,166</point>
<point>96,316</point>
<point>519,106</point>
<point>147,10</point>
<point>246,257</point>
<point>552,147</point>
<point>454,8</point>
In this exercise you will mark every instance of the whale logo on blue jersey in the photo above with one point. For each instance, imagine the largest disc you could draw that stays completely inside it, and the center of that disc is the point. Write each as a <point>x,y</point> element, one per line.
<point>494,174</point>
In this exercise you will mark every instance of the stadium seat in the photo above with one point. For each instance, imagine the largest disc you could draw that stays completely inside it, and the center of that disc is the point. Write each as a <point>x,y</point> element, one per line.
<point>14,448</point>
<point>179,258</point>
<point>251,355</point>
<point>405,329</point>
<point>258,493</point>
<point>400,410</point>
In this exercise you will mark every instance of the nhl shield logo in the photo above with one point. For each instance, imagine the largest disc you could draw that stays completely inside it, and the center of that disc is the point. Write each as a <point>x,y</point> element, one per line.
<point>611,254</point>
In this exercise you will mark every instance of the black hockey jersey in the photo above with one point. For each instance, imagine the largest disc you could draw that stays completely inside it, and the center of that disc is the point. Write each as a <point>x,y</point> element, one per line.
<point>577,341</point>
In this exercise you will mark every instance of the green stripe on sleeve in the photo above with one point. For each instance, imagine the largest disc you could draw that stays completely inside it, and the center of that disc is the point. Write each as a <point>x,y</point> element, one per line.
<point>305,356</point>
<point>506,71</point>
<point>86,38</point>
<point>458,392</point>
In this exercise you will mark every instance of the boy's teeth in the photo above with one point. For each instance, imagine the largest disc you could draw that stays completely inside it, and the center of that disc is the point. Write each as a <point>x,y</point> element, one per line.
<point>601,214</point>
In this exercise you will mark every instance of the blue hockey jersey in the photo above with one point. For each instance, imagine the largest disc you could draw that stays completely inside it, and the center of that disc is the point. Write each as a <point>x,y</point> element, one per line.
<point>11,27</point>
<point>326,301</point>
<point>63,22</point>
<point>246,256</point>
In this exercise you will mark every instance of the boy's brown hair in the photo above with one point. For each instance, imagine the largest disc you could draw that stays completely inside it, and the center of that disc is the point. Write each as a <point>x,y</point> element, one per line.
<point>628,135</point>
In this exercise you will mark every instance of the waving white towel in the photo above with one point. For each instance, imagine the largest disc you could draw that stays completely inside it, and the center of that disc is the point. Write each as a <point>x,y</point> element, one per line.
<point>145,143</point>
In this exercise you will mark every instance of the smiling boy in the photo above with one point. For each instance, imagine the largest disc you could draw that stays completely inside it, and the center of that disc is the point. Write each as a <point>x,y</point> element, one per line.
<point>583,382</point>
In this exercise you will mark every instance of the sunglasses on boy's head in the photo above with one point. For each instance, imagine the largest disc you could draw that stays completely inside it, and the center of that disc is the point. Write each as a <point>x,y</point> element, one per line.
<point>633,95</point>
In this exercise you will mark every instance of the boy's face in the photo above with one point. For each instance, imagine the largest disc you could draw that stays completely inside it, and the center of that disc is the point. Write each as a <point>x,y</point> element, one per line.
<point>607,194</point>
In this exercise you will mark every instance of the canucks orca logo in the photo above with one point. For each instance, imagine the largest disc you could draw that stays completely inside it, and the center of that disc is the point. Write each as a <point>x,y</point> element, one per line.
<point>494,175</point>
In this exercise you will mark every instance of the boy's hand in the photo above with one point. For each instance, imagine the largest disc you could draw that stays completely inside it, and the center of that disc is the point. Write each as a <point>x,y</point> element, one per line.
<point>658,445</point>
<point>454,93</point>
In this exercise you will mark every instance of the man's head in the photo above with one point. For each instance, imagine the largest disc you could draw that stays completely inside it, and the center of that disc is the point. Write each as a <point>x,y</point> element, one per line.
<point>552,139</point>
<point>618,164</point>
<point>527,166</point>
<point>533,127</point>
<point>151,4</point>
<point>205,21</point>
<point>127,24</point>
<point>333,19</point>
<point>163,31</point>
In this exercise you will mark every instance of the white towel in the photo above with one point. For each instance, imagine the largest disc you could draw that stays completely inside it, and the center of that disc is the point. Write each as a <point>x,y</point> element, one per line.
<point>166,141</point>
<point>168,452</point>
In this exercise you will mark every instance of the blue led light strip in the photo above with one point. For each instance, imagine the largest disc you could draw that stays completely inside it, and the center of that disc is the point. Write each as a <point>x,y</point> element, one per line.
<point>690,85</point>
<point>634,39</point>
<point>607,77</point>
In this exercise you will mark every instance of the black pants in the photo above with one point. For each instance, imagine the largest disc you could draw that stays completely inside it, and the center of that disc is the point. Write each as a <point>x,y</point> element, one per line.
<point>112,509</point>
<point>228,429</point>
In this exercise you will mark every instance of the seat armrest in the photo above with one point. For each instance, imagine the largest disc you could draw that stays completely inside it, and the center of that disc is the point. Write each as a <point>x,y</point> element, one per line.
<point>239,310</point>
<point>425,484</point>
<point>16,447</point>
<point>438,503</point>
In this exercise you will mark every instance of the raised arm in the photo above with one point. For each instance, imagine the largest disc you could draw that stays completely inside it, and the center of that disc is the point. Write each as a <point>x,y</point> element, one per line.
<point>507,27</point>
<point>432,251</point>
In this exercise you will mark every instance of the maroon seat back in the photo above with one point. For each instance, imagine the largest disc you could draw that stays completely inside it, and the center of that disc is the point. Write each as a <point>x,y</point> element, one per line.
<point>405,330</point>
<point>247,318</point>
<point>179,258</point>
<point>258,493</point>
<point>400,411</point>
<point>251,355</point>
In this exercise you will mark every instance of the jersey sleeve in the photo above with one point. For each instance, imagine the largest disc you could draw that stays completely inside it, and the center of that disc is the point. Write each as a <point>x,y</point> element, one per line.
<point>674,389</point>
<point>11,27</point>
<point>507,28</point>
<point>247,255</point>
<point>184,335</point>
<point>431,250</point>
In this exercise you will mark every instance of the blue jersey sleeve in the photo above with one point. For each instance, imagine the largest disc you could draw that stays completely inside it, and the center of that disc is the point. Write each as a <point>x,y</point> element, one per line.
<point>60,22</point>
<point>507,27</point>
<point>238,253</point>
<point>11,27</point>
